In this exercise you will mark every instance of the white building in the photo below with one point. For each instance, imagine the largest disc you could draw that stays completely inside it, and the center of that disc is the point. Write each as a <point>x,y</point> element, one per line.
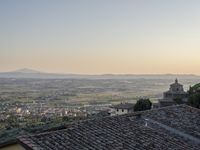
<point>122,108</point>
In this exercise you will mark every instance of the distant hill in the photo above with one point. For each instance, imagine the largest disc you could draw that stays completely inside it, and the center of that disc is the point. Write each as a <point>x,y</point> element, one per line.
<point>29,73</point>
<point>26,70</point>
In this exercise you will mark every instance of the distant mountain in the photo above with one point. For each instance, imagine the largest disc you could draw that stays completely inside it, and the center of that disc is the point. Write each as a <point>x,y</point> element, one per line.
<point>26,70</point>
<point>29,73</point>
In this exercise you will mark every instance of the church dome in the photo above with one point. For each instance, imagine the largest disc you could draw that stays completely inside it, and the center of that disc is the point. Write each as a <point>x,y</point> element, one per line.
<point>176,87</point>
<point>176,83</point>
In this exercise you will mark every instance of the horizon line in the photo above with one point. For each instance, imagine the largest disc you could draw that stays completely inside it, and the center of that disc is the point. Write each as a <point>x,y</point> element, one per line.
<point>96,74</point>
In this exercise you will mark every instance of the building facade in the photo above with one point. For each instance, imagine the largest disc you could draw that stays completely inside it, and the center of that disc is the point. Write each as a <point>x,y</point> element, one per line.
<point>175,92</point>
<point>122,108</point>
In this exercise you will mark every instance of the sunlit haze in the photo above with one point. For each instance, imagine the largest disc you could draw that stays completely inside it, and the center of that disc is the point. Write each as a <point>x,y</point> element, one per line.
<point>98,37</point>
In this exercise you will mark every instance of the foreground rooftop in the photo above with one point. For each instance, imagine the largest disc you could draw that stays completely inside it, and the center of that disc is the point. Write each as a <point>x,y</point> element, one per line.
<point>173,127</point>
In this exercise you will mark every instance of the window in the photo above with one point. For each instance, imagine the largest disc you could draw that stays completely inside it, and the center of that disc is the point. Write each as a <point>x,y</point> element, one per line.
<point>117,110</point>
<point>122,110</point>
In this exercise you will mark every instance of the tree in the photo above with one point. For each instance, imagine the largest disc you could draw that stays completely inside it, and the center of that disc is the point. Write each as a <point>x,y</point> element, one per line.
<point>194,100</point>
<point>194,96</point>
<point>142,104</point>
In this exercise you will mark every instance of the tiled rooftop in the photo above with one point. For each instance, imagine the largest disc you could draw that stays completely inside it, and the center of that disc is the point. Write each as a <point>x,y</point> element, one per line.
<point>183,118</point>
<point>123,106</point>
<point>174,127</point>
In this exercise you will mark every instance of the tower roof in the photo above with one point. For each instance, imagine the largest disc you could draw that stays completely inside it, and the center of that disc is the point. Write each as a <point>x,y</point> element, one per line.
<point>176,83</point>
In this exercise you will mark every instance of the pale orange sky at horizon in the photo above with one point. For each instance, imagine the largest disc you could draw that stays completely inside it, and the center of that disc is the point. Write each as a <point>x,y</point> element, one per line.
<point>101,37</point>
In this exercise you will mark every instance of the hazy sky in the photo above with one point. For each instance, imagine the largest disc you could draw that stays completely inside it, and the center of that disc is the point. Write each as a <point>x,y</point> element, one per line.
<point>100,36</point>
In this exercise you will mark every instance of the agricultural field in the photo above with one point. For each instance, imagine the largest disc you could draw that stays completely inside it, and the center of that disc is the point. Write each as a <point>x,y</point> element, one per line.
<point>55,91</point>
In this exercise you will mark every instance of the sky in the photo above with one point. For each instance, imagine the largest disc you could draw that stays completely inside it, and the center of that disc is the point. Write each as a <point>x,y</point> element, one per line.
<point>101,36</point>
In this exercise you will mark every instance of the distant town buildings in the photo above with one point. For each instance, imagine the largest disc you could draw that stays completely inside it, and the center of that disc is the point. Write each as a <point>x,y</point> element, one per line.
<point>175,91</point>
